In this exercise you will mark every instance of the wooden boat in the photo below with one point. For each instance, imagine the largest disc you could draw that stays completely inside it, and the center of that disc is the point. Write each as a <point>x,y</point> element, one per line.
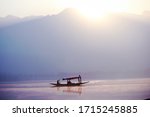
<point>71,84</point>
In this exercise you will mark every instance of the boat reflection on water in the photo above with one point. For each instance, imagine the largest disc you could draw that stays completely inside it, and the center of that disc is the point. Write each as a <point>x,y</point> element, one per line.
<point>75,90</point>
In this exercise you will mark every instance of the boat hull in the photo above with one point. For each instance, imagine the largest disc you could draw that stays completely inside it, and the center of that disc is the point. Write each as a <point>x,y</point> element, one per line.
<point>72,84</point>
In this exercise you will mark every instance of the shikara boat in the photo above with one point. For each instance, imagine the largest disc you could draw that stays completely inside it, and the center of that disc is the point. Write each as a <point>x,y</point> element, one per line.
<point>69,83</point>
<point>72,84</point>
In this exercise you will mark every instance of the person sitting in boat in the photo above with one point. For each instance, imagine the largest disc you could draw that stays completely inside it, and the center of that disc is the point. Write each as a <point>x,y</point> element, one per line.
<point>69,82</point>
<point>58,81</point>
<point>79,79</point>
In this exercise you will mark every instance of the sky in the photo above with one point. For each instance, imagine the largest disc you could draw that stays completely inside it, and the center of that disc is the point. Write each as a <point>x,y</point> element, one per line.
<point>24,8</point>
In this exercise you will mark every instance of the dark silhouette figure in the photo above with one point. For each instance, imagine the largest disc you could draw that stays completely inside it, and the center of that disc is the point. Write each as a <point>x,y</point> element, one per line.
<point>79,79</point>
<point>58,81</point>
<point>69,82</point>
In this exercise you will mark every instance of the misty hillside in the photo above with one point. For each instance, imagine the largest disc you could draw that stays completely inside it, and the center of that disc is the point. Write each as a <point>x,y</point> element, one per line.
<point>12,20</point>
<point>68,43</point>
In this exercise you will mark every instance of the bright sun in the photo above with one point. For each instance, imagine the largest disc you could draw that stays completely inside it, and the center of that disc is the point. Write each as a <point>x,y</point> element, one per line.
<point>93,13</point>
<point>95,9</point>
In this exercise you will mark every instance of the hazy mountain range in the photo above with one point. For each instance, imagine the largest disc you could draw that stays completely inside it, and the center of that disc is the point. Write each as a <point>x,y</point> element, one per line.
<point>67,43</point>
<point>11,20</point>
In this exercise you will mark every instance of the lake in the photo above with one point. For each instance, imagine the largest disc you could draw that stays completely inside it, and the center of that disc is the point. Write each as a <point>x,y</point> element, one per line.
<point>124,89</point>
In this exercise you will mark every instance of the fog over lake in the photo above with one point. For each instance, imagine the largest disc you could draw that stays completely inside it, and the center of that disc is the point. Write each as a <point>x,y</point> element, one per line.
<point>133,89</point>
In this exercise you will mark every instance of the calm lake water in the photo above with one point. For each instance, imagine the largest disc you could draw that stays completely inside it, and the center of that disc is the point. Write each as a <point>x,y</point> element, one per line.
<point>130,89</point>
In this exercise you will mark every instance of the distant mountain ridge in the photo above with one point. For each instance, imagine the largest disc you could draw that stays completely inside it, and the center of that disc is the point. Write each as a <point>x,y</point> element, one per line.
<point>10,20</point>
<point>67,43</point>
